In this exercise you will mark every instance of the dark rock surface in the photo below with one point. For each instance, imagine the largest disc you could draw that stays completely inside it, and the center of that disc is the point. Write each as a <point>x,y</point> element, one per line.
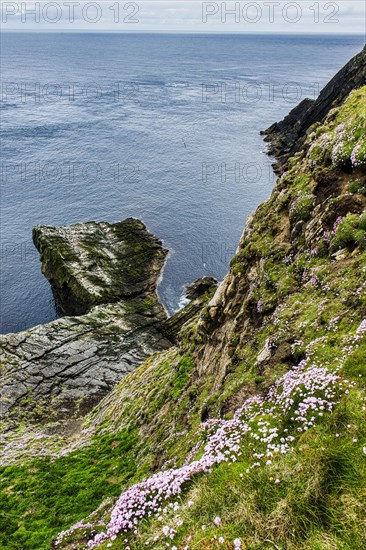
<point>106,273</point>
<point>199,293</point>
<point>200,287</point>
<point>99,263</point>
<point>286,137</point>
<point>68,365</point>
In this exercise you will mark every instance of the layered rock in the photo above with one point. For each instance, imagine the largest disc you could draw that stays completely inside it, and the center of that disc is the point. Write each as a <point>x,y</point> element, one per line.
<point>286,137</point>
<point>106,274</point>
<point>99,263</point>
<point>68,365</point>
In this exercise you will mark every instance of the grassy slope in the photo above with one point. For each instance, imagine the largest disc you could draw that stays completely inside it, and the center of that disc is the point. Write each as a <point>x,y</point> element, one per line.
<point>305,299</point>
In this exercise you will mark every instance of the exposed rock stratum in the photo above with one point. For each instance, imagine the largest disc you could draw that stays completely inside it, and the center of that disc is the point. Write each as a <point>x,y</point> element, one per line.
<point>104,275</point>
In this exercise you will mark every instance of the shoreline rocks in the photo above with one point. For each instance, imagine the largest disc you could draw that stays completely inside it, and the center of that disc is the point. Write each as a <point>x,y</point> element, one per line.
<point>104,278</point>
<point>66,367</point>
<point>199,287</point>
<point>199,293</point>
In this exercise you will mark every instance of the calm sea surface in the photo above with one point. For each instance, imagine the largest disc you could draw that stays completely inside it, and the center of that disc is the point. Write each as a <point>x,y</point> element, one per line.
<point>164,128</point>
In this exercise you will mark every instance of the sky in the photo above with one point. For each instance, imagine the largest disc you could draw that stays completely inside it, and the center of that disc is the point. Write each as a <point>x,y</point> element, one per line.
<point>257,16</point>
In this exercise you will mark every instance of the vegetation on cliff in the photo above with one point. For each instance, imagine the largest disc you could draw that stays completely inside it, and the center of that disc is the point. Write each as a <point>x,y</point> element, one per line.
<point>287,137</point>
<point>254,424</point>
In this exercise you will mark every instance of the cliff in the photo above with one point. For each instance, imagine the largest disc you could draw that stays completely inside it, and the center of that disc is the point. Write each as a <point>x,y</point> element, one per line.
<point>250,431</point>
<point>286,137</point>
<point>292,234</point>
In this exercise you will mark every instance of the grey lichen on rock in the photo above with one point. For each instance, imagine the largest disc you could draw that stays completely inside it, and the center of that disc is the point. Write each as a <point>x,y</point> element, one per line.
<point>98,262</point>
<point>68,365</point>
<point>105,275</point>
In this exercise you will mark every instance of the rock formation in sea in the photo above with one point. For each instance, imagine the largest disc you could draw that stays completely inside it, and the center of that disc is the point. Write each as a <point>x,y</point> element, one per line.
<point>104,279</point>
<point>89,264</point>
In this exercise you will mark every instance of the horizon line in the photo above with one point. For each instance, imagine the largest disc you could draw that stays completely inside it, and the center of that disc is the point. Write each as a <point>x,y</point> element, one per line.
<point>108,31</point>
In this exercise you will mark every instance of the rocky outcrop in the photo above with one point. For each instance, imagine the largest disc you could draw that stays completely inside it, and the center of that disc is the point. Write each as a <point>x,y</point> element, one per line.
<point>286,137</point>
<point>68,365</point>
<point>104,279</point>
<point>200,287</point>
<point>99,263</point>
<point>106,274</point>
<point>199,293</point>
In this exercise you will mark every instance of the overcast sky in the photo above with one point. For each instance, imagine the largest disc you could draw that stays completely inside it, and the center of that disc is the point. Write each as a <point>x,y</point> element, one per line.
<point>277,16</point>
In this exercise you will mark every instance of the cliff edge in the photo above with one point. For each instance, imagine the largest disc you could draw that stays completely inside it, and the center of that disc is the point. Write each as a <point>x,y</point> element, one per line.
<point>285,138</point>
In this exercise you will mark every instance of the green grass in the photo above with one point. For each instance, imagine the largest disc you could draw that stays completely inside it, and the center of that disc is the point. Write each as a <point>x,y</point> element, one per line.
<point>350,233</point>
<point>43,497</point>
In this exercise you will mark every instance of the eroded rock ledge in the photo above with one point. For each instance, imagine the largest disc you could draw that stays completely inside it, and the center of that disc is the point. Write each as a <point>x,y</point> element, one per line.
<point>105,275</point>
<point>104,279</point>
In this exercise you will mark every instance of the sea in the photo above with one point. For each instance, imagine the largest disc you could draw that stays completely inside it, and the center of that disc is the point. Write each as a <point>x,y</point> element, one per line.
<point>160,127</point>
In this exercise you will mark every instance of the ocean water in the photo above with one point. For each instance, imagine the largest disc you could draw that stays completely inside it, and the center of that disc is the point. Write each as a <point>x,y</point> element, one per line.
<point>164,128</point>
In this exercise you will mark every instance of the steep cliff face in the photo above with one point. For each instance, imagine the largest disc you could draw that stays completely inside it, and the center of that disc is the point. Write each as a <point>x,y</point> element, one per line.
<point>286,137</point>
<point>324,183</point>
